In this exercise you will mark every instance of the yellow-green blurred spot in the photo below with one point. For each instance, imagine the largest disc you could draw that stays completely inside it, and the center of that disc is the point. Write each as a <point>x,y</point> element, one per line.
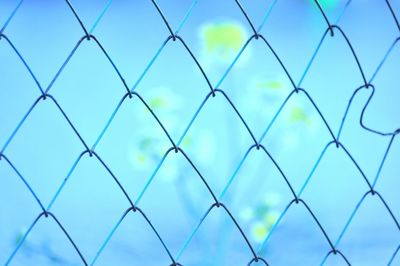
<point>224,38</point>
<point>272,84</point>
<point>158,102</point>
<point>141,158</point>
<point>297,114</point>
<point>259,232</point>
<point>186,142</point>
<point>19,236</point>
<point>270,218</point>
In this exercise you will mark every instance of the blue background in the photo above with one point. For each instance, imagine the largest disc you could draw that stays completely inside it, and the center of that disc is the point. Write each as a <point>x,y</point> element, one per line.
<point>88,89</point>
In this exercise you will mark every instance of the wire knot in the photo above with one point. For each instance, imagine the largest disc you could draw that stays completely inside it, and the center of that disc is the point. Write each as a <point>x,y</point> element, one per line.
<point>331,30</point>
<point>337,143</point>
<point>44,96</point>
<point>130,94</point>
<point>213,92</point>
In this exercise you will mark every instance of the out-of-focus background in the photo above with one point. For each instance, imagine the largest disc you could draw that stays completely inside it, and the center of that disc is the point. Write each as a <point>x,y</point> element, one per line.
<point>45,150</point>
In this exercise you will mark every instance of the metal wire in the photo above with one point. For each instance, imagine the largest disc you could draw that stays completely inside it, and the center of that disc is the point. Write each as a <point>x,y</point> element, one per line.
<point>130,95</point>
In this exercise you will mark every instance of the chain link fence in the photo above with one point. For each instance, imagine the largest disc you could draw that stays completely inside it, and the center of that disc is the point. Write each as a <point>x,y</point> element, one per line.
<point>131,94</point>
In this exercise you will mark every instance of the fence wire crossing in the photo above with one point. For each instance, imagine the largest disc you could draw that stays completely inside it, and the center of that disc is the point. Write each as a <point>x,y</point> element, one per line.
<point>332,29</point>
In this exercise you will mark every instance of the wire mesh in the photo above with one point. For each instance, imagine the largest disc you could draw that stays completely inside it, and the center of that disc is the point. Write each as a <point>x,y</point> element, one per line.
<point>131,94</point>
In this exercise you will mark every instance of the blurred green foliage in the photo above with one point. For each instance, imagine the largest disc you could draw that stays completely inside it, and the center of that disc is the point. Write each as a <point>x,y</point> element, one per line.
<point>223,40</point>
